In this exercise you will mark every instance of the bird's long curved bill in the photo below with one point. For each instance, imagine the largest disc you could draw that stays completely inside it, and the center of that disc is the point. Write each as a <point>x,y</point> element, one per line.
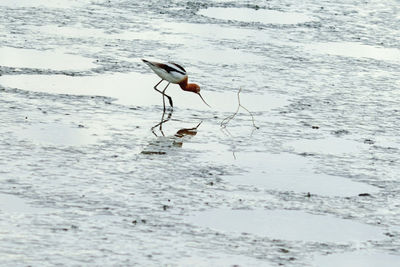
<point>203,100</point>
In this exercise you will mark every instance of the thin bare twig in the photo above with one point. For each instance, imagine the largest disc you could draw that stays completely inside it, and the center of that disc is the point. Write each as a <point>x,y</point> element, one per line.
<point>225,121</point>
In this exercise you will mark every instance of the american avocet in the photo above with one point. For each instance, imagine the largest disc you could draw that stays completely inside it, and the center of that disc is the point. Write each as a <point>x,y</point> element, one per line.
<point>173,73</point>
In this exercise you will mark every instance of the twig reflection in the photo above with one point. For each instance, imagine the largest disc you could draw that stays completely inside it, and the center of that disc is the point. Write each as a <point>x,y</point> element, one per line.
<point>225,131</point>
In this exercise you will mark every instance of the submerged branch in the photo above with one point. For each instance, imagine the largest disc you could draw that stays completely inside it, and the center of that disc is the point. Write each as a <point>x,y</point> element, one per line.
<point>225,121</point>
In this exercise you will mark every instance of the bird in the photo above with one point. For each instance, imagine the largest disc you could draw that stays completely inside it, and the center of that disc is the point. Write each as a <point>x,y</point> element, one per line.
<point>172,73</point>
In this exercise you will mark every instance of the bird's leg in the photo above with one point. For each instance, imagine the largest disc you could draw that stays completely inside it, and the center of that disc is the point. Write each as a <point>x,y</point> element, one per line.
<point>155,86</point>
<point>163,93</point>
<point>161,123</point>
<point>169,98</point>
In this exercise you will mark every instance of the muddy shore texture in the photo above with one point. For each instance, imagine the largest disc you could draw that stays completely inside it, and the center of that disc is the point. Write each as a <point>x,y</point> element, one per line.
<point>87,180</point>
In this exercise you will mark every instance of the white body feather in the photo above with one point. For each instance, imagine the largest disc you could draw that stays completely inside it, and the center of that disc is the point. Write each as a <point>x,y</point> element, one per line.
<point>174,75</point>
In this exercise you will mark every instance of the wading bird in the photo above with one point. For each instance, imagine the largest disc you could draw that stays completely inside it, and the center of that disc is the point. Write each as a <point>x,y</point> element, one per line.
<point>173,73</point>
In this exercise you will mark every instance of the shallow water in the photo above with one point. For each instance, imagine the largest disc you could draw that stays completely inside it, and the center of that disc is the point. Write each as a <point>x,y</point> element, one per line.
<point>254,15</point>
<point>30,58</point>
<point>93,168</point>
<point>357,50</point>
<point>137,89</point>
<point>330,145</point>
<point>45,4</point>
<point>10,204</point>
<point>367,259</point>
<point>287,172</point>
<point>286,225</point>
<point>57,134</point>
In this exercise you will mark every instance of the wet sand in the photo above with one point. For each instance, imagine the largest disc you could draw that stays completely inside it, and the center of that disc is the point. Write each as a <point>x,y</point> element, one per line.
<point>93,173</point>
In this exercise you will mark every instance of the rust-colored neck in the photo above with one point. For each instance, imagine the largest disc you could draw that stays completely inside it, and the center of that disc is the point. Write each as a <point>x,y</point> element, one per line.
<point>191,87</point>
<point>183,84</point>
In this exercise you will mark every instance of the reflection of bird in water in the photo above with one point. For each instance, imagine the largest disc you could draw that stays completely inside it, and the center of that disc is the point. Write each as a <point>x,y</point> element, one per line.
<point>173,73</point>
<point>163,143</point>
<point>183,133</point>
<point>187,131</point>
<point>160,124</point>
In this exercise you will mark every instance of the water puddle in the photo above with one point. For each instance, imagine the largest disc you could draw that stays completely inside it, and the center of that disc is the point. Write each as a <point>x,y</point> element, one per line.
<point>287,225</point>
<point>43,3</point>
<point>30,58</point>
<point>137,89</point>
<point>357,50</point>
<point>58,134</point>
<point>331,146</point>
<point>12,204</point>
<point>357,259</point>
<point>283,172</point>
<point>251,15</point>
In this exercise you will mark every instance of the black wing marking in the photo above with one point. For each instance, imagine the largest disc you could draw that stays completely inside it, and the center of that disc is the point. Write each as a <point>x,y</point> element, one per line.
<point>170,69</point>
<point>178,66</point>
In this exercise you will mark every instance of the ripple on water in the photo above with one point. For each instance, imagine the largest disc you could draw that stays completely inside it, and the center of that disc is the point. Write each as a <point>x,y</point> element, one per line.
<point>222,55</point>
<point>221,260</point>
<point>287,225</point>
<point>356,50</point>
<point>251,15</point>
<point>42,3</point>
<point>212,31</point>
<point>84,33</point>
<point>357,259</point>
<point>54,60</point>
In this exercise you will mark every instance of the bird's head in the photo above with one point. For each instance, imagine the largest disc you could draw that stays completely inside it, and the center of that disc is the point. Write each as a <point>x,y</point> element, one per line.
<point>192,87</point>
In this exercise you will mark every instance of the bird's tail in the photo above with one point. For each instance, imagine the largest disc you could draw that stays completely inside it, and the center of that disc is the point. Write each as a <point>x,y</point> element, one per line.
<point>149,63</point>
